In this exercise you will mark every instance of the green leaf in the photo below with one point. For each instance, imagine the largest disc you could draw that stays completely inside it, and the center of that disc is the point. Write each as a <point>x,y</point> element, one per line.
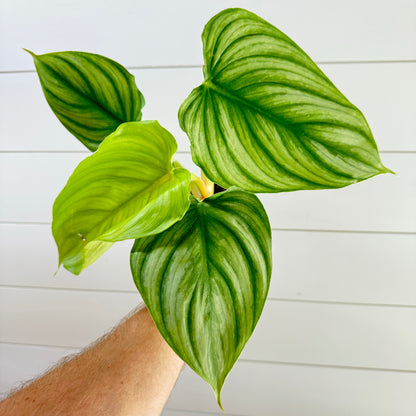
<point>127,189</point>
<point>91,95</point>
<point>205,280</point>
<point>267,119</point>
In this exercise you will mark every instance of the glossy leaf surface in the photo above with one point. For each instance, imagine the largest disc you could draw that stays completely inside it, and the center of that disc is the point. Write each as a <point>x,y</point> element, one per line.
<point>90,94</point>
<point>267,119</point>
<point>127,189</point>
<point>205,280</point>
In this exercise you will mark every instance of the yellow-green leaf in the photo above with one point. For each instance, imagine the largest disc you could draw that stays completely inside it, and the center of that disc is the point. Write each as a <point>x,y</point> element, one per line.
<point>128,189</point>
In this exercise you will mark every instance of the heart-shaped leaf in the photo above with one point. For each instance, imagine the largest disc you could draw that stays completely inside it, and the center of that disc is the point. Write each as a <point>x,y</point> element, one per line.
<point>128,189</point>
<point>267,119</point>
<point>205,280</point>
<point>90,94</point>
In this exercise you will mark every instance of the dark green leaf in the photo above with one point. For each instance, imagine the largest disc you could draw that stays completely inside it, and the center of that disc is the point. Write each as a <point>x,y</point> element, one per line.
<point>205,280</point>
<point>127,189</point>
<point>90,94</point>
<point>267,119</point>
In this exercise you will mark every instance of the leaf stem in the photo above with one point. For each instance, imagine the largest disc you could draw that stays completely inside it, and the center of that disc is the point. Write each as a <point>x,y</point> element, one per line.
<point>208,183</point>
<point>199,188</point>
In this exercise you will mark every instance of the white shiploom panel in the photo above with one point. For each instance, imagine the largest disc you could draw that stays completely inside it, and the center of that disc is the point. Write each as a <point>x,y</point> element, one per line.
<point>164,91</point>
<point>365,85</point>
<point>168,412</point>
<point>360,336</point>
<point>29,184</point>
<point>383,203</point>
<point>60,317</point>
<point>345,267</point>
<point>254,389</point>
<point>274,389</point>
<point>21,363</point>
<point>168,33</point>
<point>325,266</point>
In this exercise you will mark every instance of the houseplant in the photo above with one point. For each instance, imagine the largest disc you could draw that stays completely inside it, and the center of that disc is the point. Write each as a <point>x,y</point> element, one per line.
<point>266,119</point>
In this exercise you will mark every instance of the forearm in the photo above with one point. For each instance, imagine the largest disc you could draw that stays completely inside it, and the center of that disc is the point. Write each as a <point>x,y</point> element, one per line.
<point>131,372</point>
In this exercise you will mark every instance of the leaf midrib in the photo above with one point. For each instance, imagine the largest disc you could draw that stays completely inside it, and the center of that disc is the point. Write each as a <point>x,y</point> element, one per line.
<point>223,91</point>
<point>209,84</point>
<point>82,94</point>
<point>148,189</point>
<point>110,214</point>
<point>202,206</point>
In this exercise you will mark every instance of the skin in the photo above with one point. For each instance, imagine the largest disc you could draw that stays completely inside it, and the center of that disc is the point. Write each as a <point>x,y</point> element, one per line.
<point>132,371</point>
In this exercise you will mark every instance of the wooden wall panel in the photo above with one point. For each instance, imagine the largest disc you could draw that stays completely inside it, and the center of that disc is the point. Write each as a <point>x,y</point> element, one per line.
<point>323,266</point>
<point>254,389</point>
<point>168,33</point>
<point>273,388</point>
<point>365,85</point>
<point>22,363</point>
<point>357,336</point>
<point>384,203</point>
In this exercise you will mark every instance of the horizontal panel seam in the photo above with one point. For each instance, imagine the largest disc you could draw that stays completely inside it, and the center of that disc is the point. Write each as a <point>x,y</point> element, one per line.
<point>24,344</point>
<point>86,152</point>
<point>303,230</point>
<point>334,366</point>
<point>369,61</point>
<point>333,302</point>
<point>191,66</point>
<point>270,299</point>
<point>201,412</point>
<point>181,152</point>
<point>245,360</point>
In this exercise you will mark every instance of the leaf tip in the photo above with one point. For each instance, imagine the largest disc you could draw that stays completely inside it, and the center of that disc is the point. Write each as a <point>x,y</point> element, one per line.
<point>218,397</point>
<point>387,170</point>
<point>217,387</point>
<point>30,52</point>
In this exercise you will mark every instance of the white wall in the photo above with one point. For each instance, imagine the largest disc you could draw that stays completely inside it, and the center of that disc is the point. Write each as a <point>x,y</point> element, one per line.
<point>337,336</point>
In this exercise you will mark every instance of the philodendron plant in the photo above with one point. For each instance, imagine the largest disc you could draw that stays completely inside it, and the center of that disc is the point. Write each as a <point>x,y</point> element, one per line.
<point>265,119</point>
